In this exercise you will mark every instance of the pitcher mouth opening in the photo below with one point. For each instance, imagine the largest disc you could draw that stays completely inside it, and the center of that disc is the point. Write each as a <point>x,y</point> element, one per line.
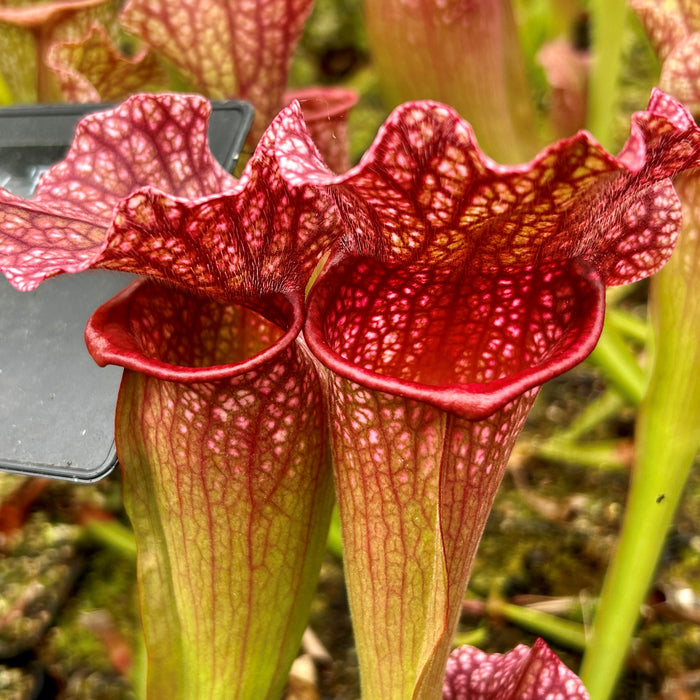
<point>176,336</point>
<point>466,344</point>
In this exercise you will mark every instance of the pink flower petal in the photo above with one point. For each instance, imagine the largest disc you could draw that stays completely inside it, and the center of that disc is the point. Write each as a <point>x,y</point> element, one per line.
<point>160,141</point>
<point>673,27</point>
<point>261,237</point>
<point>680,74</point>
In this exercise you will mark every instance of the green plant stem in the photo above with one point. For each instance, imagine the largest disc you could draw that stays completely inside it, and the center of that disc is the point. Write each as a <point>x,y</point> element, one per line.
<point>473,638</point>
<point>652,501</point>
<point>667,439</point>
<point>619,365</point>
<point>608,20</point>
<point>563,632</point>
<point>609,454</point>
<point>564,446</point>
<point>114,535</point>
<point>629,325</point>
<point>603,407</point>
<point>614,295</point>
<point>334,542</point>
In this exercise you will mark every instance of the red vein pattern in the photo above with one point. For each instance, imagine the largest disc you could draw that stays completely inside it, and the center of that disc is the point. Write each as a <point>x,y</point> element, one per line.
<point>239,48</point>
<point>454,289</point>
<point>521,674</point>
<point>465,344</point>
<point>673,27</point>
<point>325,111</point>
<point>227,485</point>
<point>414,487</point>
<point>243,49</point>
<point>94,70</point>
<point>220,426</point>
<point>157,141</point>
<point>28,30</point>
<point>425,192</point>
<point>140,192</point>
<point>458,288</point>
